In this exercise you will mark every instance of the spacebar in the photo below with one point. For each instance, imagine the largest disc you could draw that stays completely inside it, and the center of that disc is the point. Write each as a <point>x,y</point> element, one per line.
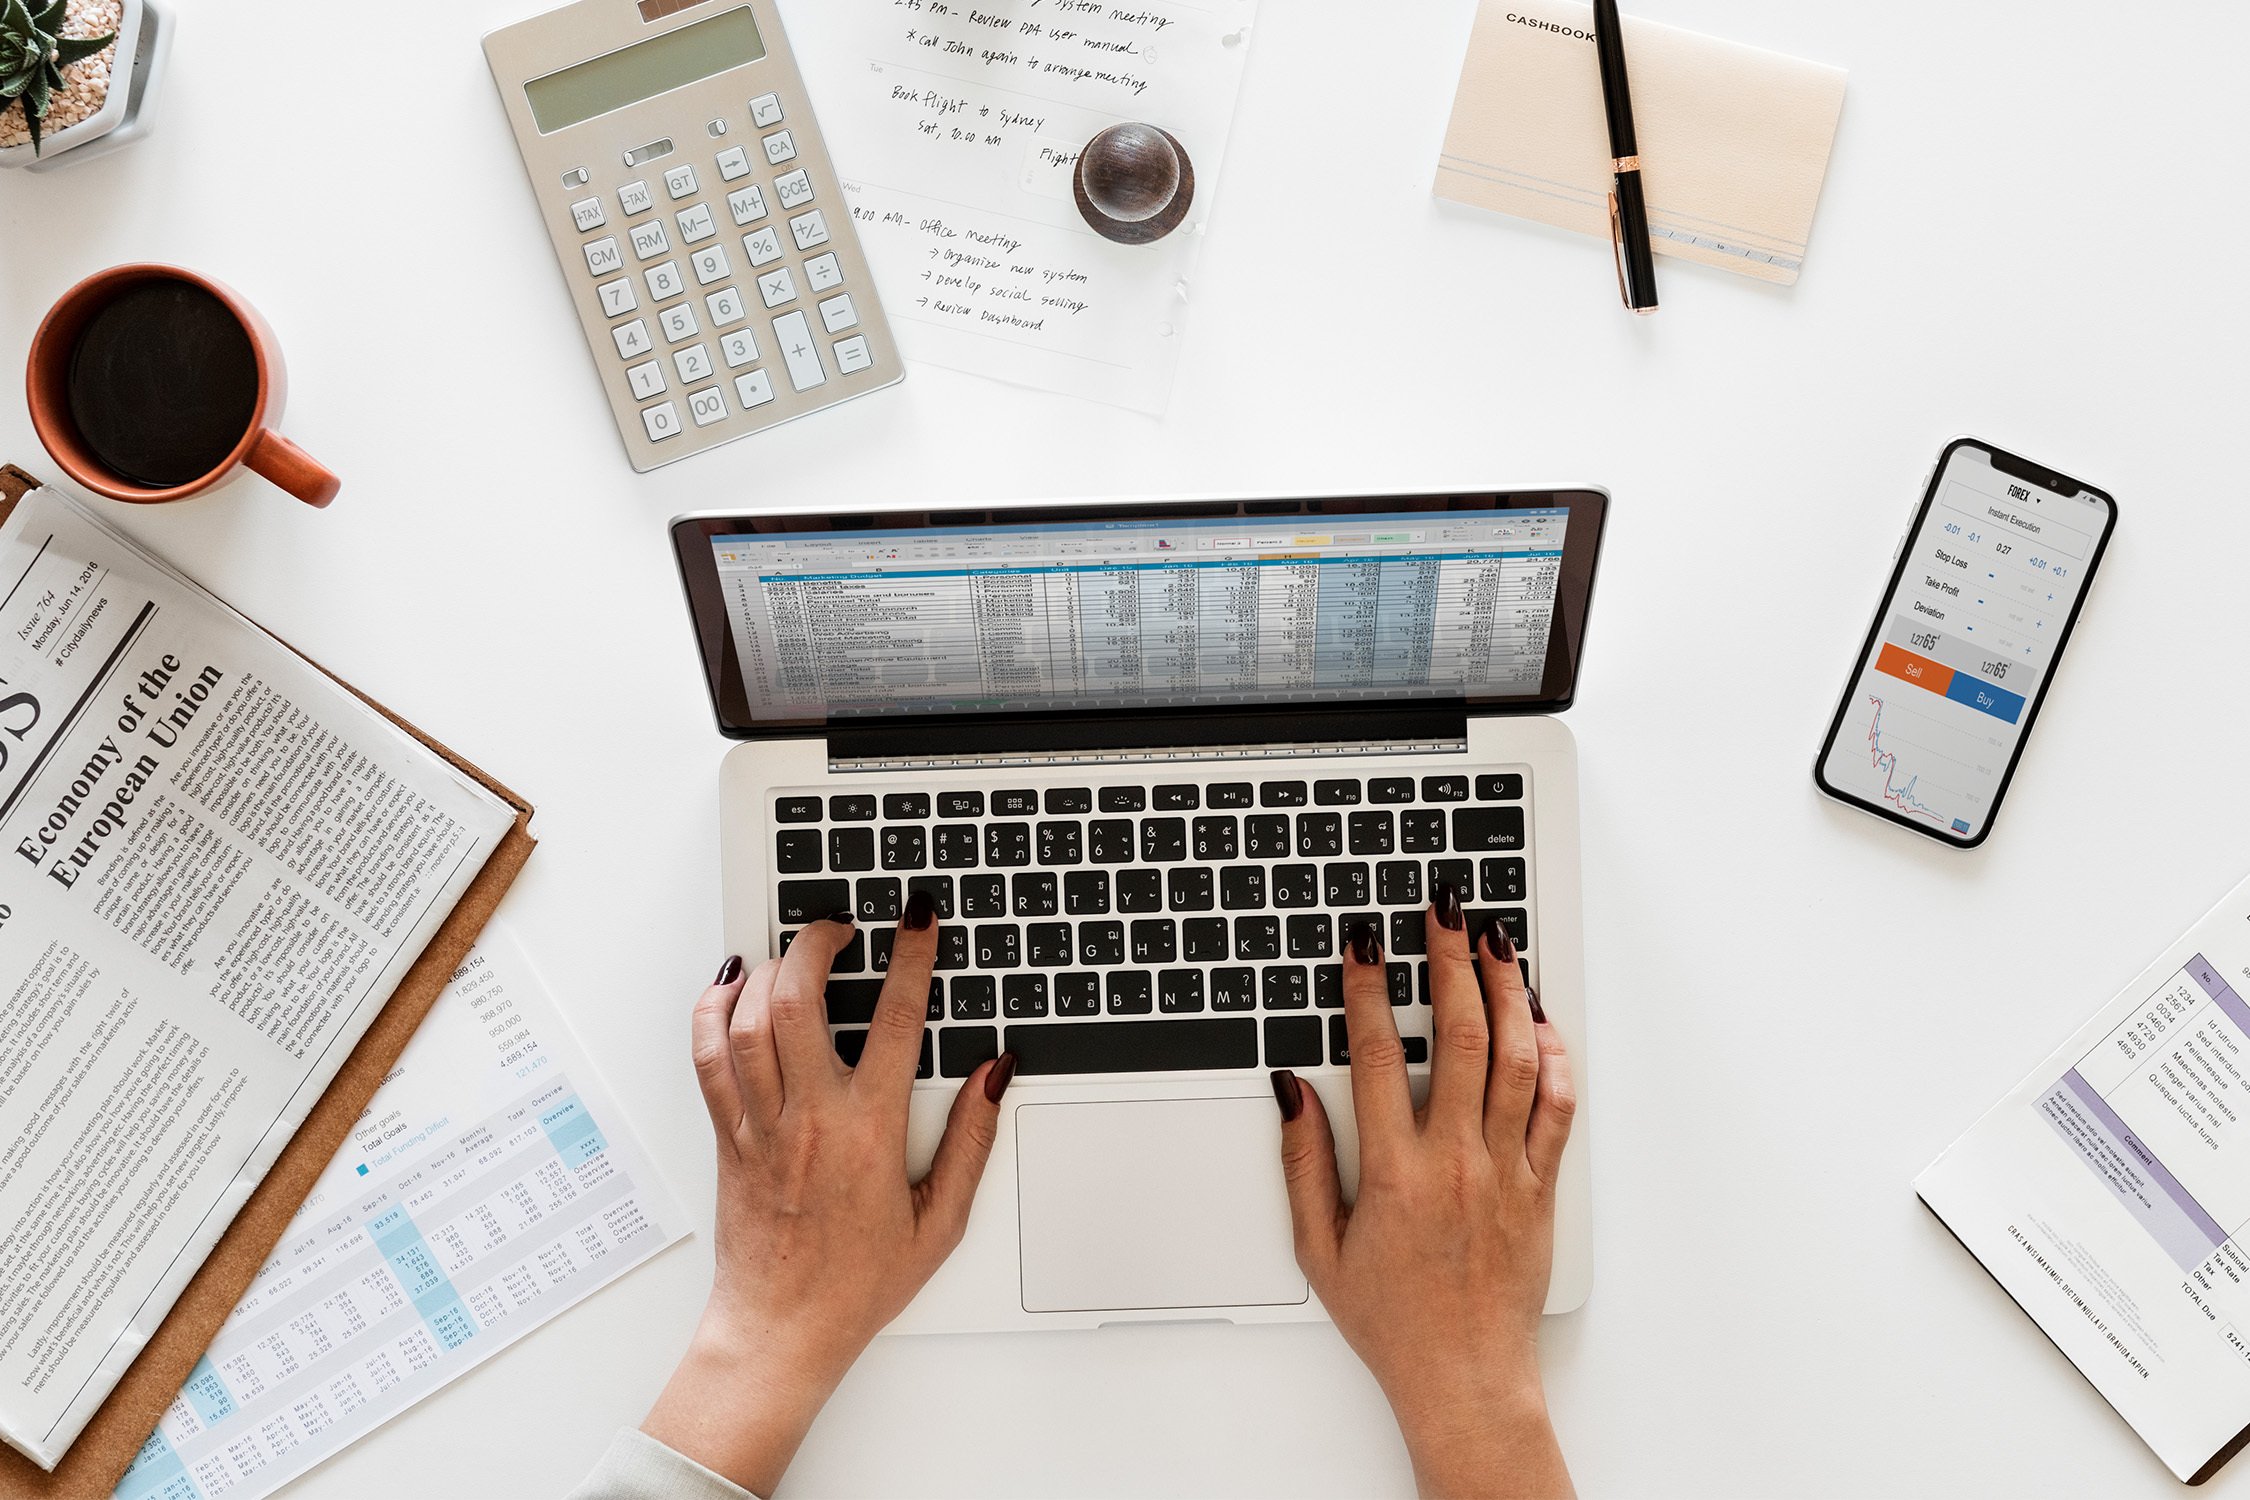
<point>1135,1046</point>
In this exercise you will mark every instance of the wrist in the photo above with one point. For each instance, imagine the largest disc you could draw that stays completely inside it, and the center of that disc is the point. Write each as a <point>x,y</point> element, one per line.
<point>1470,1409</point>
<point>743,1397</point>
<point>1481,1430</point>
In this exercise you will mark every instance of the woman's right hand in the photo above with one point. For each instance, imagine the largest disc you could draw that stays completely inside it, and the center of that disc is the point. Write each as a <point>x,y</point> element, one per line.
<point>1437,1273</point>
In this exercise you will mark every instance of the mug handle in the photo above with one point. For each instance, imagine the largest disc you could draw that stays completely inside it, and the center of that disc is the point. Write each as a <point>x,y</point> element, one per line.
<point>293,469</point>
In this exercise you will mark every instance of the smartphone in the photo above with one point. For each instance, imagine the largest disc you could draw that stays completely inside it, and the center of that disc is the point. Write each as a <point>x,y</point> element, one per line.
<point>1991,575</point>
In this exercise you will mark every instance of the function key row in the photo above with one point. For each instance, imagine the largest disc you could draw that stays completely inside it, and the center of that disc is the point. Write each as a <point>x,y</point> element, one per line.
<point>1063,801</point>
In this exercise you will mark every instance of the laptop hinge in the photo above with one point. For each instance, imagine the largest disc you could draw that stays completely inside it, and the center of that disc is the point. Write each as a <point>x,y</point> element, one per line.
<point>1149,755</point>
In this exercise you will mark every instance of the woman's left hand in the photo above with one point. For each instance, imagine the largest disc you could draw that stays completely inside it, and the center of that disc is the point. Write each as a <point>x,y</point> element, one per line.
<point>821,1236</point>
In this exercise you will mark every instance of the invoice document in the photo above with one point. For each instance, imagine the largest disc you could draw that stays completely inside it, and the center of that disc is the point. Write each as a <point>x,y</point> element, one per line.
<point>491,1185</point>
<point>2109,1193</point>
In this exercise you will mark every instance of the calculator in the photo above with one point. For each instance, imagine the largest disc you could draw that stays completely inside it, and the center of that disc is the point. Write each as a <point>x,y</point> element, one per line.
<point>701,228</point>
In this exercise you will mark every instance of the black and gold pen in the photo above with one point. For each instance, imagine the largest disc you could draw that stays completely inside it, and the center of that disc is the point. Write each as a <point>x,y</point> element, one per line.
<point>1628,209</point>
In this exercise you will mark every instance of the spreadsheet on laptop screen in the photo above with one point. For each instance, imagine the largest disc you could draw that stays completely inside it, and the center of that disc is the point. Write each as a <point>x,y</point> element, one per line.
<point>1104,615</point>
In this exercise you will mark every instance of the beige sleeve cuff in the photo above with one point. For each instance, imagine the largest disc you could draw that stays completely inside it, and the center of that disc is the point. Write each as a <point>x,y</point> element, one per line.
<point>638,1467</point>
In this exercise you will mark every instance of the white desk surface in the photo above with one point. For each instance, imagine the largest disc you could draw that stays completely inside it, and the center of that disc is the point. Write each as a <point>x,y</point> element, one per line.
<point>2025,235</point>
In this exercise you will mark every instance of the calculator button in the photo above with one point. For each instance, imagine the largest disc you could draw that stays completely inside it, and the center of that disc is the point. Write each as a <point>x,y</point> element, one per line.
<point>602,257</point>
<point>707,406</point>
<point>734,164</point>
<point>766,110</point>
<point>693,363</point>
<point>678,322</point>
<point>589,215</point>
<point>852,356</point>
<point>635,198</point>
<point>738,349</point>
<point>781,146</point>
<point>748,205</point>
<point>710,265</point>
<point>795,190</point>
<point>822,272</point>
<point>618,297</point>
<point>664,281</point>
<point>662,422</point>
<point>647,380</point>
<point>810,229</point>
<point>778,287</point>
<point>632,339</point>
<point>696,225</point>
<point>764,247</point>
<point>838,314</point>
<point>799,351</point>
<point>680,182</point>
<point>725,306</point>
<point>753,389</point>
<point>650,240</point>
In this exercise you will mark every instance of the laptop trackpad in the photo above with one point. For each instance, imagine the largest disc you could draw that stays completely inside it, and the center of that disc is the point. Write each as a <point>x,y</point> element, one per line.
<point>1154,1204</point>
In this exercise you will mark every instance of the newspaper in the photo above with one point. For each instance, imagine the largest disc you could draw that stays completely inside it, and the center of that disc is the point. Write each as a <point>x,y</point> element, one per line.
<point>215,867</point>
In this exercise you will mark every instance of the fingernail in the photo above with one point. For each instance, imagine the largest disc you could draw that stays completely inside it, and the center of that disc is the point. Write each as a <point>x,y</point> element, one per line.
<point>1536,1013</point>
<point>996,1082</point>
<point>729,971</point>
<point>1367,945</point>
<point>846,916</point>
<point>1289,1094</point>
<point>1447,900</point>
<point>921,911</point>
<point>1502,945</point>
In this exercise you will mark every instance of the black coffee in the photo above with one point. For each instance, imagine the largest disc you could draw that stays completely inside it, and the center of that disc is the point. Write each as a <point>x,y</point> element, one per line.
<point>163,384</point>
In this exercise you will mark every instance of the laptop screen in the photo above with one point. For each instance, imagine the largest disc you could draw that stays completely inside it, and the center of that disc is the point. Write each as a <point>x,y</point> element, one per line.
<point>1123,614</point>
<point>1236,620</point>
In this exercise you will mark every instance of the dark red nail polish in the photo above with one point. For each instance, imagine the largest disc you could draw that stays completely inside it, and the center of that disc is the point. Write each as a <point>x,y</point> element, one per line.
<point>1536,1013</point>
<point>846,916</point>
<point>1367,944</point>
<point>1289,1094</point>
<point>1447,900</point>
<point>729,971</point>
<point>1003,1073</point>
<point>1503,946</point>
<point>921,911</point>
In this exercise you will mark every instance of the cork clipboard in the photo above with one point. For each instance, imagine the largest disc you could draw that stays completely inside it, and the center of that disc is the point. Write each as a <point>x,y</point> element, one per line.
<point>111,1440</point>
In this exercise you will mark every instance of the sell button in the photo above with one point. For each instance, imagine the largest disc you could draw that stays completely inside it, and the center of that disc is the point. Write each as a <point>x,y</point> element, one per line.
<point>1919,670</point>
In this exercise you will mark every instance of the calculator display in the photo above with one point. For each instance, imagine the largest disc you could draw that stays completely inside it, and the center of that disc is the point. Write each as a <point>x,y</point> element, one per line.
<point>657,66</point>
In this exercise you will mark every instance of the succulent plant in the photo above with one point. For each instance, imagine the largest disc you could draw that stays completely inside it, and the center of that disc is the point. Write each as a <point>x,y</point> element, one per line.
<point>32,57</point>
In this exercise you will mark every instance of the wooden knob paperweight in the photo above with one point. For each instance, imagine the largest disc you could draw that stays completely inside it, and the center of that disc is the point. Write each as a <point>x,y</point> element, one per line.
<point>1135,184</point>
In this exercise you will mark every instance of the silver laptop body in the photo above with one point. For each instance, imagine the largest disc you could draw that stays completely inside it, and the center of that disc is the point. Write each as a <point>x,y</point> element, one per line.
<point>1145,896</point>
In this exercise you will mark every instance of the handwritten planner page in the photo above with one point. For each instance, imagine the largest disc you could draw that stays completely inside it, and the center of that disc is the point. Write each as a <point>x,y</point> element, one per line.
<point>957,128</point>
<point>491,1184</point>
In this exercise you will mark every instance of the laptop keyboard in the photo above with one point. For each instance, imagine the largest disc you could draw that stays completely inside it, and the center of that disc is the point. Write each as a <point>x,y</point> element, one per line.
<point>1114,926</point>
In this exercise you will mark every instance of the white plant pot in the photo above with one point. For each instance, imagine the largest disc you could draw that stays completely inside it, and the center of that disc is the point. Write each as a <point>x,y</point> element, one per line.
<point>144,44</point>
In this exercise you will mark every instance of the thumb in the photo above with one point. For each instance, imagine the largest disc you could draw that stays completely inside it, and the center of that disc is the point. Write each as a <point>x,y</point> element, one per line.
<point>943,1197</point>
<point>1308,1165</point>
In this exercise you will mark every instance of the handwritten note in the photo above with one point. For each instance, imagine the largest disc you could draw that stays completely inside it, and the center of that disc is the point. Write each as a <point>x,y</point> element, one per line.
<point>957,128</point>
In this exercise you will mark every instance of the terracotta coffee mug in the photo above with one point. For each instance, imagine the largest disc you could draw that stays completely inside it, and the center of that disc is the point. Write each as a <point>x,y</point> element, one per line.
<point>260,448</point>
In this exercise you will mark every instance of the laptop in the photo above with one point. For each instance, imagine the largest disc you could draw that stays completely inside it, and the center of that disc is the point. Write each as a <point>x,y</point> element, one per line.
<point>1154,762</point>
